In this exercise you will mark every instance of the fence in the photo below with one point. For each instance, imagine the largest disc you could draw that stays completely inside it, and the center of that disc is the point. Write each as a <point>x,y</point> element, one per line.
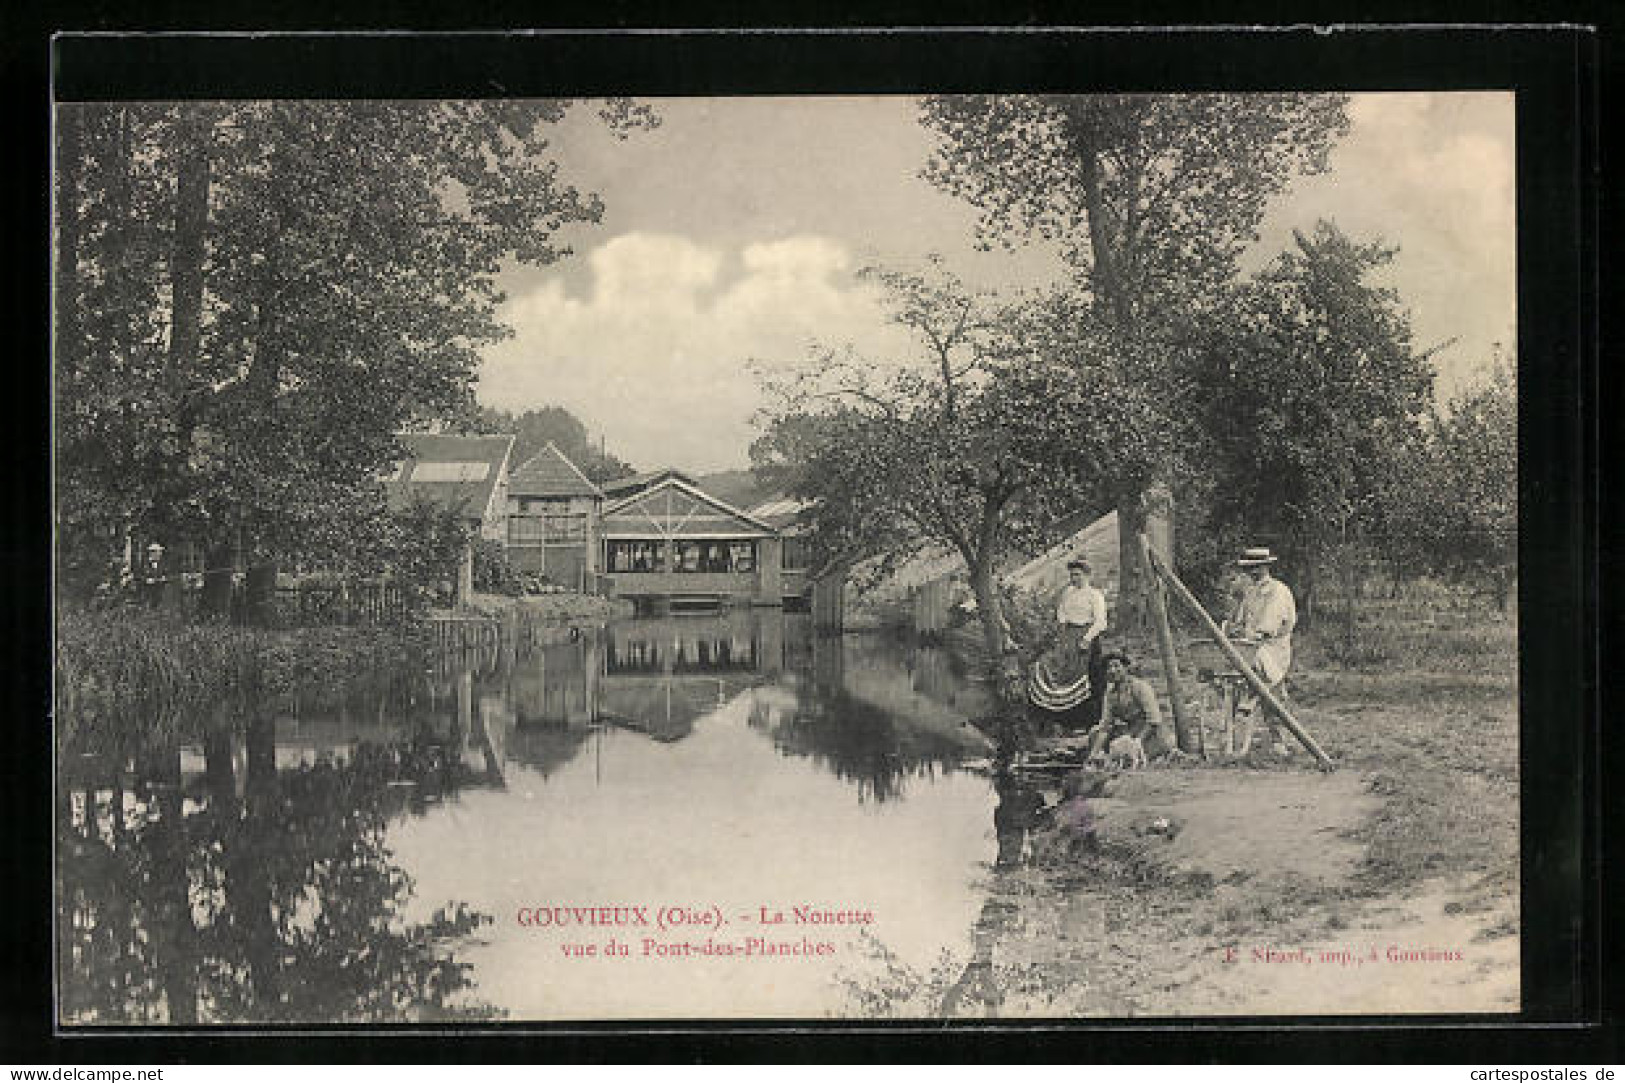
<point>341,603</point>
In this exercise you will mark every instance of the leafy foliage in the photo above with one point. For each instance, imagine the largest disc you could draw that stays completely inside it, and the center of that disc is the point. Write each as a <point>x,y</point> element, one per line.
<point>956,447</point>
<point>1455,509</point>
<point>1313,398</point>
<point>534,429</point>
<point>1151,198</point>
<point>493,572</point>
<point>254,297</point>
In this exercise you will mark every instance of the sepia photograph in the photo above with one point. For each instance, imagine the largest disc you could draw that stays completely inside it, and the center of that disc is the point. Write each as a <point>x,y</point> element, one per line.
<point>823,557</point>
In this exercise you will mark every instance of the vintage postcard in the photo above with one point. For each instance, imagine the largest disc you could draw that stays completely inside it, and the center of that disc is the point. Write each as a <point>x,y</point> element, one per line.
<point>786,558</point>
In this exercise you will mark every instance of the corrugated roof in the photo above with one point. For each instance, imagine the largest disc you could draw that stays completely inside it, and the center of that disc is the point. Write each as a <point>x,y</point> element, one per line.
<point>778,511</point>
<point>550,473</point>
<point>472,496</point>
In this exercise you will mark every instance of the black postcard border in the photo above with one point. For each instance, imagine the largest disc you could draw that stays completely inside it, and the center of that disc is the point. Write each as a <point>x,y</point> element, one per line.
<point>1554,71</point>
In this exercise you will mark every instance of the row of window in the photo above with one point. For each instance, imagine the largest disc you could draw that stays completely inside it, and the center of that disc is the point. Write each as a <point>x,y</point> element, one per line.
<point>681,556</point>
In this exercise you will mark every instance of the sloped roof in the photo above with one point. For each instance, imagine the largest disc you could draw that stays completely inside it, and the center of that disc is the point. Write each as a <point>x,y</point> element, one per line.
<point>778,511</point>
<point>550,472</point>
<point>1093,538</point>
<point>623,487</point>
<point>1096,541</point>
<point>675,509</point>
<point>459,472</point>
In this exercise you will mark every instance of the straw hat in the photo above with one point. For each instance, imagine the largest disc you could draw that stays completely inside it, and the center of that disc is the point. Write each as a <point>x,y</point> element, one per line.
<point>1252,558</point>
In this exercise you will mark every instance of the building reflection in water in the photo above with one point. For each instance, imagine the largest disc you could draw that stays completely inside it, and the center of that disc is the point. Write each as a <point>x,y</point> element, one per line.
<point>241,875</point>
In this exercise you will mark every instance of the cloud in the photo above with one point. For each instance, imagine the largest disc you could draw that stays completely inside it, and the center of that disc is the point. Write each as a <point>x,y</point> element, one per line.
<point>654,352</point>
<point>1435,175</point>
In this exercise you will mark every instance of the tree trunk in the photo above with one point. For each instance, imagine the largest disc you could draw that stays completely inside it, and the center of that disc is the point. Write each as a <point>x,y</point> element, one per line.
<point>990,608</point>
<point>1351,613</point>
<point>218,575</point>
<point>1151,513</point>
<point>189,247</point>
<point>261,591</point>
<point>1184,733</point>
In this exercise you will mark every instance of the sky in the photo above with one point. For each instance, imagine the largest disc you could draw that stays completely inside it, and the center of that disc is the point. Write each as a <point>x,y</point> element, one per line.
<point>732,236</point>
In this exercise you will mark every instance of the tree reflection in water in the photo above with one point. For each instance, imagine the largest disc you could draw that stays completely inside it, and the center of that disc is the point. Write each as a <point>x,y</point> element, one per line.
<point>853,739</point>
<point>981,983</point>
<point>271,901</point>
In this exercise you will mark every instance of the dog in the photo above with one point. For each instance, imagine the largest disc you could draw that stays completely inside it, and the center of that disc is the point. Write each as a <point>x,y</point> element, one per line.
<point>1127,752</point>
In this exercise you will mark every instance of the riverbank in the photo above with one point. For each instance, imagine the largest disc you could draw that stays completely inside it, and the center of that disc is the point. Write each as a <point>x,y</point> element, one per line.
<point>545,609</point>
<point>1260,888</point>
<point>125,674</point>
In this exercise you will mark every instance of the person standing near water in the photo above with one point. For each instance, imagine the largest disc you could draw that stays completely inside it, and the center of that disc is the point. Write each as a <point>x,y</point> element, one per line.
<point>1080,610</point>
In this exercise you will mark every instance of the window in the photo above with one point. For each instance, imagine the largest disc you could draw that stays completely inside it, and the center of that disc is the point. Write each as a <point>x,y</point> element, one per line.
<point>715,556</point>
<point>535,529</point>
<point>635,556</point>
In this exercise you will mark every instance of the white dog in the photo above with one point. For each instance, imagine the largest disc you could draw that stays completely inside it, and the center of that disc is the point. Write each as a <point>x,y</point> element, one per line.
<point>1127,752</point>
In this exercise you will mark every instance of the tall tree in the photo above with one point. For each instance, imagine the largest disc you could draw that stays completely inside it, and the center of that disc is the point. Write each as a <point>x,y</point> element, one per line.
<point>534,429</point>
<point>313,278</point>
<point>954,448</point>
<point>1152,198</point>
<point>1313,396</point>
<point>1454,510</point>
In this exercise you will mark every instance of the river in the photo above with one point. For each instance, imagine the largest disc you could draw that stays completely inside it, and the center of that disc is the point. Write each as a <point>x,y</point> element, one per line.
<point>684,817</point>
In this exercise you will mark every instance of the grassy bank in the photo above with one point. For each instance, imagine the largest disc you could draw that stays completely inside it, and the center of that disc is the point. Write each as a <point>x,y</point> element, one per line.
<point>568,608</point>
<point>124,673</point>
<point>127,672</point>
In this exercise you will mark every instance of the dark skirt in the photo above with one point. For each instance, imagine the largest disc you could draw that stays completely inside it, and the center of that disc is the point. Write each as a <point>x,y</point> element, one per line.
<point>1067,680</point>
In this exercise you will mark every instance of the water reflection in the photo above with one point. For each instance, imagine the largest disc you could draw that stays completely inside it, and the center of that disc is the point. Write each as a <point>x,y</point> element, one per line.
<point>265,894</point>
<point>358,855</point>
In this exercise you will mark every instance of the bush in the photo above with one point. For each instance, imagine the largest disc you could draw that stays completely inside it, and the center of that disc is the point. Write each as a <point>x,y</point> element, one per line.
<point>493,573</point>
<point>123,674</point>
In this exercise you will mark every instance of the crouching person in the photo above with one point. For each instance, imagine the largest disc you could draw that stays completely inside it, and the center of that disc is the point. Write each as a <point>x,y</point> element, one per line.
<point>1129,708</point>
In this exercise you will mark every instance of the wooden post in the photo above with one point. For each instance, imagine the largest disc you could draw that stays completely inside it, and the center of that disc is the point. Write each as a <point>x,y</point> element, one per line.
<point>465,574</point>
<point>1239,662</point>
<point>1165,648</point>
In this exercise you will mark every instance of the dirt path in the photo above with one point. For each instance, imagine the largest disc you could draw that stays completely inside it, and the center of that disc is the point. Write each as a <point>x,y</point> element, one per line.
<point>1226,891</point>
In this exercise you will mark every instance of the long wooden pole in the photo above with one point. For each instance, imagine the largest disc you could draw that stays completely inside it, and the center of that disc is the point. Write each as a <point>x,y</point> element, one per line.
<point>1238,661</point>
<point>1165,647</point>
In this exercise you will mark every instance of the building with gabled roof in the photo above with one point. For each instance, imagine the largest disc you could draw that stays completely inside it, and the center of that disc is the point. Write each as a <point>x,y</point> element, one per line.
<point>675,542</point>
<point>466,474</point>
<point>550,475</point>
<point>621,488</point>
<point>553,519</point>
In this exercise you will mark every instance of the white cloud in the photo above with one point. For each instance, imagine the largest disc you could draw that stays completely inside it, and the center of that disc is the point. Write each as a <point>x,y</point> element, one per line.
<point>655,353</point>
<point>1434,174</point>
